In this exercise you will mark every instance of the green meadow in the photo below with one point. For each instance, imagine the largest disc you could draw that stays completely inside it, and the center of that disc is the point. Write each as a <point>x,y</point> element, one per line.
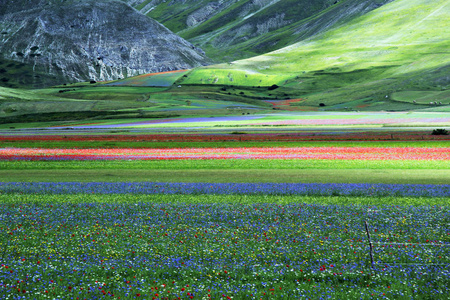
<point>274,170</point>
<point>425,176</point>
<point>43,199</point>
<point>117,143</point>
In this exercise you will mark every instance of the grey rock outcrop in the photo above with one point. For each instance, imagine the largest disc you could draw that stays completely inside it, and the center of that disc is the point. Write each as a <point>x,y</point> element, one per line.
<point>90,40</point>
<point>202,14</point>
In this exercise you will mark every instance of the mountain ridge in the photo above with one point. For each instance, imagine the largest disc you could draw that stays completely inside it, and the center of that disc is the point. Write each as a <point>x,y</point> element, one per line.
<point>401,46</point>
<point>92,40</point>
<point>237,29</point>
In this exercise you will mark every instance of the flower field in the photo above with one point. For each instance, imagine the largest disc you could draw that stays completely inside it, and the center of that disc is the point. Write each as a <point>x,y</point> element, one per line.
<point>224,239</point>
<point>89,247</point>
<point>87,139</point>
<point>185,188</point>
<point>334,119</point>
<point>315,153</point>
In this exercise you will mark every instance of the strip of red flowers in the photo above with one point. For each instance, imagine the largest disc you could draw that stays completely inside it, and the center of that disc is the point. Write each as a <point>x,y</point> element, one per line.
<point>347,153</point>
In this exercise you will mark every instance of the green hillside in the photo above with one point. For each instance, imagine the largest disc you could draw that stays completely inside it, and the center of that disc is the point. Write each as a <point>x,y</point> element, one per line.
<point>239,29</point>
<point>15,74</point>
<point>396,47</point>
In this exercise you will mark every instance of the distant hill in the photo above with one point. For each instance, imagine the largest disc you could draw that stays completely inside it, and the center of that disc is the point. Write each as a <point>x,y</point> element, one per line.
<point>90,40</point>
<point>236,29</point>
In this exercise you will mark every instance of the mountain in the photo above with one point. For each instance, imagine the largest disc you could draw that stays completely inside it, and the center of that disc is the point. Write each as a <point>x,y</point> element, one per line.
<point>375,61</point>
<point>394,58</point>
<point>90,40</point>
<point>236,29</point>
<point>74,40</point>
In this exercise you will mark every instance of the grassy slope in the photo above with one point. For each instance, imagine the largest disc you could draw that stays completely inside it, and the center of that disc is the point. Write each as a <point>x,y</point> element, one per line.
<point>276,26</point>
<point>15,74</point>
<point>243,28</point>
<point>99,101</point>
<point>163,79</point>
<point>67,102</point>
<point>174,14</point>
<point>393,48</point>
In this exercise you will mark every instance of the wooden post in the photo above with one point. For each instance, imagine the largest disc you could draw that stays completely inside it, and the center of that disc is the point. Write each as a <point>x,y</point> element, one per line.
<point>370,244</point>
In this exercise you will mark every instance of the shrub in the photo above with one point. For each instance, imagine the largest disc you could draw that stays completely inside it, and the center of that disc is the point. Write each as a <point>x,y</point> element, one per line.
<point>439,131</point>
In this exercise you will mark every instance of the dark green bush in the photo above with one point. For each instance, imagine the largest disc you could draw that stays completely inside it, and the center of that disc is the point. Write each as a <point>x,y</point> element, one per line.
<point>439,131</point>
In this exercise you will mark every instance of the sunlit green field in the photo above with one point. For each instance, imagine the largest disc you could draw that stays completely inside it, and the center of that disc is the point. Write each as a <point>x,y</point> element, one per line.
<point>345,171</point>
<point>135,143</point>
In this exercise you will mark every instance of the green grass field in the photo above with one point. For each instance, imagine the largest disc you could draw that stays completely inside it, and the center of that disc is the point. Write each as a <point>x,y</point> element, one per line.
<point>307,171</point>
<point>93,143</point>
<point>178,114</point>
<point>45,199</point>
<point>243,164</point>
<point>423,97</point>
<point>425,176</point>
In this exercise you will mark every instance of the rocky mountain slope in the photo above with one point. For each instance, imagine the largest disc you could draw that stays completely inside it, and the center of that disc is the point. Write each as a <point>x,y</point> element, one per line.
<point>90,40</point>
<point>235,29</point>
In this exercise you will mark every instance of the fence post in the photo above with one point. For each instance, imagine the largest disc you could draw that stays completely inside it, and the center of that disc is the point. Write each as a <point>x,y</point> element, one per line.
<point>370,244</point>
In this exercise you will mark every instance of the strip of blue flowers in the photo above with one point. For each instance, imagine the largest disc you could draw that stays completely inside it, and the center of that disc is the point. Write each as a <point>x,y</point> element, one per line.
<point>305,189</point>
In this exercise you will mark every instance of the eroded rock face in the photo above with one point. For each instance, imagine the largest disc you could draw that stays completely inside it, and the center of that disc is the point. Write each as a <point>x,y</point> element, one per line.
<point>202,14</point>
<point>243,28</point>
<point>91,40</point>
